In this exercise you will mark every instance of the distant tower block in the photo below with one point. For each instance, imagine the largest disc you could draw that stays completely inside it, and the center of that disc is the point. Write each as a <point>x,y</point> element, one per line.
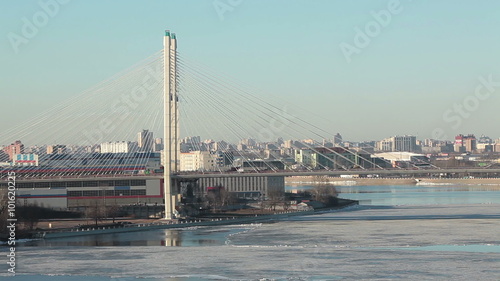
<point>145,141</point>
<point>171,120</point>
<point>337,139</point>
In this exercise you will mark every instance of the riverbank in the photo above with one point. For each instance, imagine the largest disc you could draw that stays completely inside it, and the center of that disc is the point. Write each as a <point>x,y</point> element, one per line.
<point>162,224</point>
<point>432,238</point>
<point>312,180</point>
<point>167,225</point>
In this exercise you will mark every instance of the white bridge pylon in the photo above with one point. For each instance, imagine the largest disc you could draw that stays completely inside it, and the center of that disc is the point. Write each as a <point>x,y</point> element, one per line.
<point>171,149</point>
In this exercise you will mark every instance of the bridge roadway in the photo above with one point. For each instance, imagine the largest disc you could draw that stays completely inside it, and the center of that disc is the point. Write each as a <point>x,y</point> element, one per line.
<point>338,173</point>
<point>283,173</point>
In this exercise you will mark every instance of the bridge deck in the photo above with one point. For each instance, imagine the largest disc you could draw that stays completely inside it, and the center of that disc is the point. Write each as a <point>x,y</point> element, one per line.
<point>380,172</point>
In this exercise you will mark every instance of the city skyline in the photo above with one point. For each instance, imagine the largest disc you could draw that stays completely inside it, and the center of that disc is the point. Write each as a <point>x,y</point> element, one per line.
<point>200,139</point>
<point>194,143</point>
<point>249,140</point>
<point>413,80</point>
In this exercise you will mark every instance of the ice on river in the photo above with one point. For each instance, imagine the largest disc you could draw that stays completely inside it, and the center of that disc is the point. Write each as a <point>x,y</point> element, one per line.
<point>458,242</point>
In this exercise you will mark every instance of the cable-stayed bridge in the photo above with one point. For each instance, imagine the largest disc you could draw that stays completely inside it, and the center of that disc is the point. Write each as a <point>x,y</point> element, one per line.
<point>87,140</point>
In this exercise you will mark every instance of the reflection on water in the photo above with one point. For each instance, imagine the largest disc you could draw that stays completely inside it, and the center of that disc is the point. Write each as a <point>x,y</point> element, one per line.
<point>418,194</point>
<point>163,237</point>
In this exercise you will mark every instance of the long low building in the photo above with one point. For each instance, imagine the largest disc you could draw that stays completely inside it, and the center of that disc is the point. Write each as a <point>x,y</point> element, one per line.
<point>252,186</point>
<point>75,193</point>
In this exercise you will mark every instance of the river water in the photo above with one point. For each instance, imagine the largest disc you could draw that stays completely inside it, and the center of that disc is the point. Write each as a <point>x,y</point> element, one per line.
<point>397,233</point>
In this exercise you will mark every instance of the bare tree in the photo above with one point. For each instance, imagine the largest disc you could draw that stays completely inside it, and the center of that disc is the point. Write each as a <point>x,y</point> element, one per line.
<point>95,212</point>
<point>30,215</point>
<point>321,180</point>
<point>326,194</point>
<point>275,197</point>
<point>227,198</point>
<point>219,198</point>
<point>212,201</point>
<point>112,211</point>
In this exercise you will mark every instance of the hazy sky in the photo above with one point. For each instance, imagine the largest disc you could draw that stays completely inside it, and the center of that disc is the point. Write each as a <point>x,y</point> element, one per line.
<point>372,68</point>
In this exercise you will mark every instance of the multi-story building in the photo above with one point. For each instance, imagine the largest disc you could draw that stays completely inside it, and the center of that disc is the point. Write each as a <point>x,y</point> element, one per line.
<point>250,143</point>
<point>224,158</point>
<point>485,144</point>
<point>145,141</point>
<point>465,143</point>
<point>404,143</point>
<point>221,146</point>
<point>306,157</point>
<point>15,148</point>
<point>384,145</point>
<point>337,139</point>
<point>398,143</point>
<point>56,149</point>
<point>485,148</point>
<point>485,139</point>
<point>199,161</point>
<point>116,147</point>
<point>158,145</point>
<point>190,144</point>
<point>288,144</point>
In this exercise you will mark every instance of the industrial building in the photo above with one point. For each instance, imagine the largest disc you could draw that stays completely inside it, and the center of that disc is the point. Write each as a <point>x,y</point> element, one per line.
<point>245,187</point>
<point>74,193</point>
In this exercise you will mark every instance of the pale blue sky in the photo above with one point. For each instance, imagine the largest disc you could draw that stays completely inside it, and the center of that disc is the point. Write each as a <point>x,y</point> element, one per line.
<point>428,58</point>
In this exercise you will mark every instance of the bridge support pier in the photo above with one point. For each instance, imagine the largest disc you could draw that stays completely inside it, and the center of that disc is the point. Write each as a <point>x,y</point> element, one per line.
<point>171,147</point>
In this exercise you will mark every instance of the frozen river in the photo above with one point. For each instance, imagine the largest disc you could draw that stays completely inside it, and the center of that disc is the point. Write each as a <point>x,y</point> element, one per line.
<point>400,233</point>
